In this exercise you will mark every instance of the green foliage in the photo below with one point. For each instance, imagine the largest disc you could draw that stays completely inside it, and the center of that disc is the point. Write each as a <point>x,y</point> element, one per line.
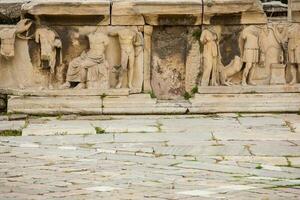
<point>258,167</point>
<point>239,115</point>
<point>152,95</point>
<point>59,117</point>
<point>99,130</point>
<point>11,133</point>
<point>194,90</point>
<point>103,96</point>
<point>187,96</point>
<point>197,34</point>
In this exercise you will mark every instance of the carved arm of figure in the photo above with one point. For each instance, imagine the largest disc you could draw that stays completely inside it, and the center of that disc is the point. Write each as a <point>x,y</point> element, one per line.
<point>37,36</point>
<point>242,39</point>
<point>57,45</point>
<point>203,38</point>
<point>139,42</point>
<point>23,27</point>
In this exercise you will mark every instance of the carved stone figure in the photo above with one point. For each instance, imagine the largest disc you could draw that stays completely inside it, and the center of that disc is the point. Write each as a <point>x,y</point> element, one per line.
<point>90,69</point>
<point>8,36</point>
<point>50,44</point>
<point>271,49</point>
<point>293,37</point>
<point>231,69</point>
<point>128,40</point>
<point>210,58</point>
<point>249,48</point>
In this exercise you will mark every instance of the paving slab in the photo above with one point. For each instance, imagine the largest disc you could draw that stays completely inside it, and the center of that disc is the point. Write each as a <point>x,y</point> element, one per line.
<point>59,128</point>
<point>11,125</point>
<point>127,126</point>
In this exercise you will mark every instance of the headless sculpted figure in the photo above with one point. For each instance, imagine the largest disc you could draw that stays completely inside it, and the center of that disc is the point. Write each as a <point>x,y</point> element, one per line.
<point>128,41</point>
<point>293,37</point>
<point>249,47</point>
<point>90,69</point>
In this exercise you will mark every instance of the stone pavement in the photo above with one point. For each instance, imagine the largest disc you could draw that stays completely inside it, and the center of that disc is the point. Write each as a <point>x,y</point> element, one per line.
<point>226,156</point>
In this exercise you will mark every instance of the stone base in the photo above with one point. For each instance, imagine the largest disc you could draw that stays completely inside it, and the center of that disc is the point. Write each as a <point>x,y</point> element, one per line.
<point>276,98</point>
<point>278,74</point>
<point>142,104</point>
<point>88,102</point>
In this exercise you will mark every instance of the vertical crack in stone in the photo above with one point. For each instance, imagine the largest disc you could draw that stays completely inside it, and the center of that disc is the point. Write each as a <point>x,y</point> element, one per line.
<point>110,11</point>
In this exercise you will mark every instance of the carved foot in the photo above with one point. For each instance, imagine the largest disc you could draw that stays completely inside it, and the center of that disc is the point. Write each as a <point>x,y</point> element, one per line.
<point>65,86</point>
<point>21,87</point>
<point>293,82</point>
<point>80,86</point>
<point>119,86</point>
<point>252,83</point>
<point>228,83</point>
<point>244,83</point>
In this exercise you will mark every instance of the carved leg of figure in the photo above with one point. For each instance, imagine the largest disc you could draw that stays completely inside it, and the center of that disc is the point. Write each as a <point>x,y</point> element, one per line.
<point>207,68</point>
<point>124,64</point>
<point>131,69</point>
<point>51,79</point>
<point>294,74</point>
<point>83,79</point>
<point>251,75</point>
<point>214,72</point>
<point>245,73</point>
<point>297,72</point>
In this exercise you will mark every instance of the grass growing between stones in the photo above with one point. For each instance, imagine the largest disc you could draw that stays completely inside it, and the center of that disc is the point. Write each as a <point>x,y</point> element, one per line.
<point>258,167</point>
<point>283,186</point>
<point>194,90</point>
<point>187,96</point>
<point>7,133</point>
<point>99,130</point>
<point>152,95</point>
<point>158,125</point>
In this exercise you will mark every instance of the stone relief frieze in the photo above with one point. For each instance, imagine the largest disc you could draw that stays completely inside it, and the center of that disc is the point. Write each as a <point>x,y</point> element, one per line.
<point>267,52</point>
<point>148,59</point>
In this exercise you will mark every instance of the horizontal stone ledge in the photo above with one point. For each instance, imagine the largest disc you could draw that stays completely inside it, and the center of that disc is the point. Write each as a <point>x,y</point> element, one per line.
<point>178,7</point>
<point>65,92</point>
<point>259,89</point>
<point>216,103</point>
<point>150,12</point>
<point>67,7</point>
<point>85,105</point>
